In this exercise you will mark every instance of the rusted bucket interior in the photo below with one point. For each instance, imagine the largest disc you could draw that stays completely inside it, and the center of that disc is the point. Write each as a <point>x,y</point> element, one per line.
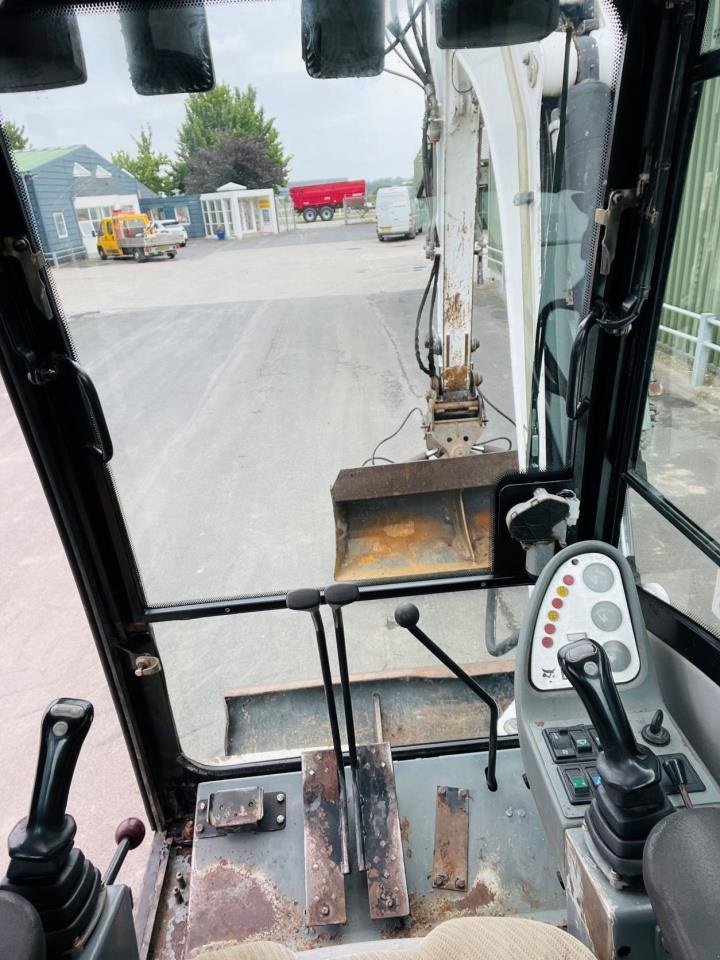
<point>417,519</point>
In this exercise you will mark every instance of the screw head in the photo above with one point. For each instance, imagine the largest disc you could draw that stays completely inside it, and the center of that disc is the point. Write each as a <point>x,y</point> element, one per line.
<point>440,879</point>
<point>199,828</point>
<point>324,910</point>
<point>280,819</point>
<point>202,805</point>
<point>463,793</point>
<point>390,903</point>
<point>459,884</point>
<point>280,798</point>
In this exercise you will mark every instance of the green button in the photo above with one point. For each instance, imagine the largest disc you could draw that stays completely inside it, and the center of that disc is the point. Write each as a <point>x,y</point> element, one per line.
<point>579,783</point>
<point>582,743</point>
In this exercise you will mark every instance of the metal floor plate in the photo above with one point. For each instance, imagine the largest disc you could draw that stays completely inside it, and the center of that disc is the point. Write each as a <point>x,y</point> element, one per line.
<point>252,886</point>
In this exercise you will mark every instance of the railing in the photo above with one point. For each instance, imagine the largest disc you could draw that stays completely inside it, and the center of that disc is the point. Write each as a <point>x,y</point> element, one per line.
<point>702,342</point>
<point>68,255</point>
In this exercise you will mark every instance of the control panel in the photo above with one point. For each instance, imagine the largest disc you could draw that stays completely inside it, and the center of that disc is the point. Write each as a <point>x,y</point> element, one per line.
<point>585,594</point>
<point>575,750</point>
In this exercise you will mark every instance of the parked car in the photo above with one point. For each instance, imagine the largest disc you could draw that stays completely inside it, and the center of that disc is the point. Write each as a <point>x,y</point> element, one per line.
<point>173,227</point>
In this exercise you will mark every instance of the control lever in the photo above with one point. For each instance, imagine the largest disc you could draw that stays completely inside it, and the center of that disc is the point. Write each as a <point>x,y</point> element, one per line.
<point>339,595</point>
<point>309,600</point>
<point>630,799</point>
<point>675,769</point>
<point>407,615</point>
<point>40,844</point>
<point>128,835</point>
<point>45,868</point>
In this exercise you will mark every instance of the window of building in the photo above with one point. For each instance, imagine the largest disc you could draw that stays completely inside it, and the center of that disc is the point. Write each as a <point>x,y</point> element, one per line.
<point>182,214</point>
<point>60,225</point>
<point>102,174</point>
<point>94,215</point>
<point>80,171</point>
<point>214,216</point>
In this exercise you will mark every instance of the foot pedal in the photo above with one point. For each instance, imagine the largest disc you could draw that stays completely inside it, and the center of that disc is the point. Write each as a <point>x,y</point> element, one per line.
<point>384,860</point>
<point>323,838</point>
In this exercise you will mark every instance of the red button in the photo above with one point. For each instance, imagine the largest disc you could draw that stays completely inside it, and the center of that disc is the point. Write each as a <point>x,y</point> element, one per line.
<point>568,579</point>
<point>557,602</point>
<point>549,628</point>
<point>547,641</point>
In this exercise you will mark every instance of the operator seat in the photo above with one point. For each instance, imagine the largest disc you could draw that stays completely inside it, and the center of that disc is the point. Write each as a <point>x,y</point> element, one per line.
<point>466,938</point>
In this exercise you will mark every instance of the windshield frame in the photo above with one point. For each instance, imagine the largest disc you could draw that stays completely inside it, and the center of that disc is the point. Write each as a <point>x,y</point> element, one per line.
<point>82,498</point>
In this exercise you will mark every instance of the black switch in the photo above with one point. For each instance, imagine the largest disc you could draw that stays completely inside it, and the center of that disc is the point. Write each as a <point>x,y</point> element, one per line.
<point>561,744</point>
<point>576,783</point>
<point>596,738</point>
<point>582,741</point>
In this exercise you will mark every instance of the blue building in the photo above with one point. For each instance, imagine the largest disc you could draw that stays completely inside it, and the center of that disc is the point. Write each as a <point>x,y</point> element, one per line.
<point>185,208</point>
<point>70,190</point>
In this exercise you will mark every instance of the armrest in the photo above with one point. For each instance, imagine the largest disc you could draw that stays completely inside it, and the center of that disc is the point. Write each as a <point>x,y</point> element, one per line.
<point>21,933</point>
<point>681,868</point>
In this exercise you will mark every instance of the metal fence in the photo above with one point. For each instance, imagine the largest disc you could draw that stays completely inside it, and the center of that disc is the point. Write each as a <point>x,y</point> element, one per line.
<point>699,345</point>
<point>285,211</point>
<point>68,255</point>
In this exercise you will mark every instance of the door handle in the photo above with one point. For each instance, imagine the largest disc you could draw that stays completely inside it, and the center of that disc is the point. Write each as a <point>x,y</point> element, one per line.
<point>101,444</point>
<point>576,406</point>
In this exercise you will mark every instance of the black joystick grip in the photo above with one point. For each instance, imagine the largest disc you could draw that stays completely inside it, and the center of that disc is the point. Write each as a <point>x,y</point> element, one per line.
<point>48,830</point>
<point>586,666</point>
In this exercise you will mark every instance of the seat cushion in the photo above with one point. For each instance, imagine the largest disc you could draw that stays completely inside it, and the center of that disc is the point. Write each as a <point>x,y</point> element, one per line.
<point>467,938</point>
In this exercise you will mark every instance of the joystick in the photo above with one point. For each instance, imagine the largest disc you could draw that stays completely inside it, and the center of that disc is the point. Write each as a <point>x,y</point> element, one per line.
<point>630,800</point>
<point>45,868</point>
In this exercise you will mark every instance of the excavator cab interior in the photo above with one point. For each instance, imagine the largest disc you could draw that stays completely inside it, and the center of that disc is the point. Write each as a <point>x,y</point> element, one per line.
<point>478,720</point>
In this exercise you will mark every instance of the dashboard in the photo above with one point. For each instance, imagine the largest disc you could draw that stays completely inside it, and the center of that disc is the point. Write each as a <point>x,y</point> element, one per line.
<point>585,597</point>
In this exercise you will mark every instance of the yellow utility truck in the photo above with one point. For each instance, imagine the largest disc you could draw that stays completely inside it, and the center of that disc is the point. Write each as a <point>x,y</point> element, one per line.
<point>133,235</point>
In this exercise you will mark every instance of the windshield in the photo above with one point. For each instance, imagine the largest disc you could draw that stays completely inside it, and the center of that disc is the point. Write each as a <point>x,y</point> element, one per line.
<point>326,377</point>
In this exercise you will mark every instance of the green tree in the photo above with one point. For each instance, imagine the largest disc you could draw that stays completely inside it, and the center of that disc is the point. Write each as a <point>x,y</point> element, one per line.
<point>15,135</point>
<point>245,161</point>
<point>221,113</point>
<point>147,164</point>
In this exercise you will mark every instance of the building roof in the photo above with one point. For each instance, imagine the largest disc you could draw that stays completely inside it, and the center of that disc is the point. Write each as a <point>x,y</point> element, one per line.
<point>27,160</point>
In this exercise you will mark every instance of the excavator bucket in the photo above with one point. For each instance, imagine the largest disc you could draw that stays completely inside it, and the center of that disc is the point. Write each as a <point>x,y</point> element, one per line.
<point>425,517</point>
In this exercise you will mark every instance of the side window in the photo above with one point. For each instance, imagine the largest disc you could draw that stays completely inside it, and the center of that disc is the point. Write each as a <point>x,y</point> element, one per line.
<point>679,456</point>
<point>60,225</point>
<point>182,214</point>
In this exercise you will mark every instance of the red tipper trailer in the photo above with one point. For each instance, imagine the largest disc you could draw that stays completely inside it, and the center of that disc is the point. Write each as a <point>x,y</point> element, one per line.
<point>323,199</point>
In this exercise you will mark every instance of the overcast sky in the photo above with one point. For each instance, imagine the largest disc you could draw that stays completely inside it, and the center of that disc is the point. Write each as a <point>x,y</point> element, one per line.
<point>332,128</point>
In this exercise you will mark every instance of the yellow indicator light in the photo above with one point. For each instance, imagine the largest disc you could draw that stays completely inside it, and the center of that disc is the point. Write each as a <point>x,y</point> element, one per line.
<point>553,615</point>
<point>562,591</point>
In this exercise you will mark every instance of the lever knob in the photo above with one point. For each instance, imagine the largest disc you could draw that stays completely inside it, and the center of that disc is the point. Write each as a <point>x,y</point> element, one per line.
<point>407,615</point>
<point>48,831</point>
<point>341,594</point>
<point>586,666</point>
<point>303,599</point>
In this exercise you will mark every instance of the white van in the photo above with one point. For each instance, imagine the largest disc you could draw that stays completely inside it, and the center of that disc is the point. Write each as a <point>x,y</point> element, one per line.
<point>394,210</point>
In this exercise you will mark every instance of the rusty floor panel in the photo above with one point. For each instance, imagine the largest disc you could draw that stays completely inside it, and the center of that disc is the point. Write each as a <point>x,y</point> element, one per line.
<point>386,881</point>
<point>252,887</point>
<point>450,853</point>
<point>323,841</point>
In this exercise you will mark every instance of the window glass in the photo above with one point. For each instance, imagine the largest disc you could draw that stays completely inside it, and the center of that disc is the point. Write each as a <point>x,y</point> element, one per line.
<point>680,447</point>
<point>275,390</point>
<point>237,691</point>
<point>711,35</point>
<point>670,566</point>
<point>60,226</point>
